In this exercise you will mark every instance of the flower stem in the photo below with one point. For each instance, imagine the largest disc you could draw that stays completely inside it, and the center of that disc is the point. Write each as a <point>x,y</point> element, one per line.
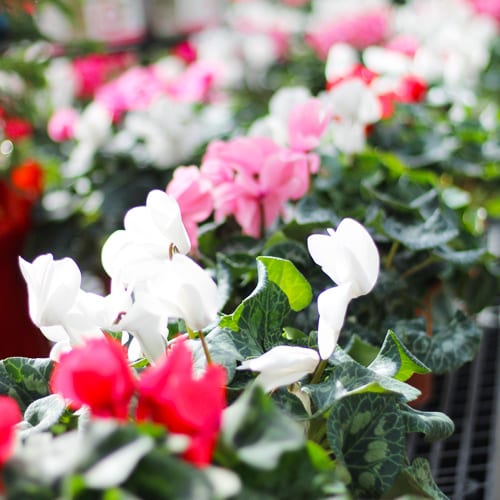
<point>319,371</point>
<point>392,253</point>
<point>192,335</point>
<point>205,347</point>
<point>426,262</point>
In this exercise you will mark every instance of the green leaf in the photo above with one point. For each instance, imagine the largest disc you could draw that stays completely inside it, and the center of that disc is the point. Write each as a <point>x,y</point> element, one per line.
<point>435,231</point>
<point>25,379</point>
<point>361,350</point>
<point>259,319</point>
<point>404,195</point>
<point>461,257</point>
<point>367,435</point>
<point>42,414</point>
<point>349,377</point>
<point>113,469</point>
<point>395,360</point>
<point>257,433</point>
<point>435,425</point>
<point>448,348</point>
<point>284,274</point>
<point>159,476</point>
<point>223,351</point>
<point>415,480</point>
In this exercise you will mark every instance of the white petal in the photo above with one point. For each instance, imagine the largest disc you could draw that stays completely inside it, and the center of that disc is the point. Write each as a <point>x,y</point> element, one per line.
<point>359,241</point>
<point>166,214</point>
<point>349,137</point>
<point>283,357</point>
<point>282,365</point>
<point>58,349</point>
<point>54,333</point>
<point>332,255</point>
<point>52,286</point>
<point>285,99</point>
<point>381,60</point>
<point>341,58</point>
<point>147,321</point>
<point>332,307</point>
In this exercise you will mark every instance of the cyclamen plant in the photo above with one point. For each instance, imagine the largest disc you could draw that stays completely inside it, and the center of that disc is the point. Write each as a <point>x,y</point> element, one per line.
<point>328,423</point>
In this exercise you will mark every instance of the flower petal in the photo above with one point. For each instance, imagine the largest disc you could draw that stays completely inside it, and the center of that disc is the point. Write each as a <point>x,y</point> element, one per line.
<point>332,307</point>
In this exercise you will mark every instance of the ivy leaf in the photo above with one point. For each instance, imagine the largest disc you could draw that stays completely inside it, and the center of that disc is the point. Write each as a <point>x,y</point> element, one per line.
<point>42,414</point>
<point>395,360</point>
<point>435,425</point>
<point>25,379</point>
<point>159,476</point>
<point>448,348</point>
<point>405,195</point>
<point>349,377</point>
<point>460,257</point>
<point>223,351</point>
<point>434,231</point>
<point>416,480</point>
<point>259,318</point>
<point>284,274</point>
<point>257,432</point>
<point>367,434</point>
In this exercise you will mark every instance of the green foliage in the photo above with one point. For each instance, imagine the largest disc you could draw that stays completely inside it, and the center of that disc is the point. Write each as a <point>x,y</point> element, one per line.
<point>366,433</point>
<point>449,347</point>
<point>25,379</point>
<point>258,321</point>
<point>257,433</point>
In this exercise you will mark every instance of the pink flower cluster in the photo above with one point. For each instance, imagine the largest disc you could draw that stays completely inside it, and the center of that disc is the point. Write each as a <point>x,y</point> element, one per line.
<point>114,82</point>
<point>97,375</point>
<point>250,178</point>
<point>360,29</point>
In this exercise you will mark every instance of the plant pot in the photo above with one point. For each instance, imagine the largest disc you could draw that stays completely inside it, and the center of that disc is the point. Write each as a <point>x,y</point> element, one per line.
<point>20,337</point>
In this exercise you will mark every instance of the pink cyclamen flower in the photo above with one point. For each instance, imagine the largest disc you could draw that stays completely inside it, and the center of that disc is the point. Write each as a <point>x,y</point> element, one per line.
<point>253,178</point>
<point>194,84</point>
<point>404,44</point>
<point>487,7</point>
<point>307,123</point>
<point>10,415</point>
<point>192,192</point>
<point>170,394</point>
<point>133,90</point>
<point>359,30</point>
<point>61,126</point>
<point>94,70</point>
<point>97,375</point>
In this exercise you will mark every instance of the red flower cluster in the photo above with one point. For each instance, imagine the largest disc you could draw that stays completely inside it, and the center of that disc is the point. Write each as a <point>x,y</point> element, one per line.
<point>98,375</point>
<point>14,127</point>
<point>10,416</point>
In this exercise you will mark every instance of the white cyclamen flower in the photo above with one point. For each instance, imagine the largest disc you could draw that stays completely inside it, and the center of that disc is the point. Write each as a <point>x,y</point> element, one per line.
<point>152,234</point>
<point>54,301</point>
<point>353,106</point>
<point>187,291</point>
<point>282,365</point>
<point>350,258</point>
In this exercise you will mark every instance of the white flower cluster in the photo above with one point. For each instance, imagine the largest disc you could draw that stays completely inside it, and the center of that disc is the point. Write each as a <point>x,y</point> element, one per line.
<point>151,280</point>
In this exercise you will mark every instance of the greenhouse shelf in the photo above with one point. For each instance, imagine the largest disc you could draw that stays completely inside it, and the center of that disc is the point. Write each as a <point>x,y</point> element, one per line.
<point>466,466</point>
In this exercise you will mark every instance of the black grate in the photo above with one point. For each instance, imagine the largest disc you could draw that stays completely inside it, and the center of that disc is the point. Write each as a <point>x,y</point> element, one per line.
<point>467,465</point>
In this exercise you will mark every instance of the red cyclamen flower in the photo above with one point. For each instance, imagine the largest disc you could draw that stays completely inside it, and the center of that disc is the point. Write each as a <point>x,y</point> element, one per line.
<point>17,128</point>
<point>170,395</point>
<point>98,375</point>
<point>10,415</point>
